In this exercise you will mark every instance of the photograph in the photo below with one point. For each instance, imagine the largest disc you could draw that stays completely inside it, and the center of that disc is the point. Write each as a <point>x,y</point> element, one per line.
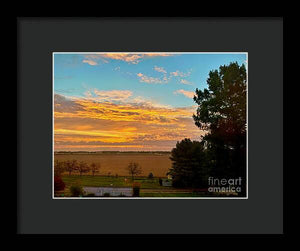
<point>150,125</point>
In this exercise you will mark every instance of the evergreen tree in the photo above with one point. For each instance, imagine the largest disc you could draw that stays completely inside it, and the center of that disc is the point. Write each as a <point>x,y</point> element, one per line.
<point>189,167</point>
<point>222,110</point>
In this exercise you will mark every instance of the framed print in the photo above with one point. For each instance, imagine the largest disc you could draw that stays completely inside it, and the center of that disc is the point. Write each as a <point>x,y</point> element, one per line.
<point>136,122</point>
<point>149,125</point>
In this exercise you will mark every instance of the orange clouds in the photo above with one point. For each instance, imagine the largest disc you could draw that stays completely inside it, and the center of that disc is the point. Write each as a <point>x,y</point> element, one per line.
<point>92,59</point>
<point>89,61</point>
<point>114,95</point>
<point>185,93</point>
<point>129,58</point>
<point>142,112</point>
<point>98,122</point>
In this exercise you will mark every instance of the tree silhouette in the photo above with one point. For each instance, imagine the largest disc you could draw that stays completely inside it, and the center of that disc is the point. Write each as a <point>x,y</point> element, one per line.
<point>95,168</point>
<point>189,166</point>
<point>83,168</point>
<point>222,110</point>
<point>71,166</point>
<point>134,169</point>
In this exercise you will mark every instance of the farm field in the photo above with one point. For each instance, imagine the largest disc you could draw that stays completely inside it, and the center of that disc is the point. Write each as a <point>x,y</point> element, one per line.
<point>115,163</point>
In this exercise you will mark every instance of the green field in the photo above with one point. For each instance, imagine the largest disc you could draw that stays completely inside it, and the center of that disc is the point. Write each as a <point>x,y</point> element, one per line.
<point>105,181</point>
<point>149,187</point>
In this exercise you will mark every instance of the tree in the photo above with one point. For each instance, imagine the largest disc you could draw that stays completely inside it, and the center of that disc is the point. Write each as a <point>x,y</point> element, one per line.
<point>95,167</point>
<point>189,165</point>
<point>83,168</point>
<point>222,107</point>
<point>133,169</point>
<point>222,111</point>
<point>59,168</point>
<point>71,166</point>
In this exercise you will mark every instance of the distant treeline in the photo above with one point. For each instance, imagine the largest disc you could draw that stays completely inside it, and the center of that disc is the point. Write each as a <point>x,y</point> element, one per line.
<point>111,152</point>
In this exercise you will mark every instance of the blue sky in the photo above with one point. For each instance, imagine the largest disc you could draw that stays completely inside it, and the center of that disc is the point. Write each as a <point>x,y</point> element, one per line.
<point>73,77</point>
<point>129,101</point>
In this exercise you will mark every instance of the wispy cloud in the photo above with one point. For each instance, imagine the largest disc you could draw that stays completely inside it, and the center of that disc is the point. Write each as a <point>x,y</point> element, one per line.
<point>151,80</point>
<point>188,94</point>
<point>160,69</point>
<point>166,77</point>
<point>180,74</point>
<point>90,62</point>
<point>185,82</point>
<point>131,58</point>
<point>114,95</point>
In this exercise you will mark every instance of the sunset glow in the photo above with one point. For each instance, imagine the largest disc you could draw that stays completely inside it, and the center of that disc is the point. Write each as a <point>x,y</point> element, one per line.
<point>128,101</point>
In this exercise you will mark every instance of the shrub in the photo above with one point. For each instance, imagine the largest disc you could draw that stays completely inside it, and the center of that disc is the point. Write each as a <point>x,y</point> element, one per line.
<point>76,190</point>
<point>106,195</point>
<point>59,185</point>
<point>136,189</point>
<point>160,181</point>
<point>150,176</point>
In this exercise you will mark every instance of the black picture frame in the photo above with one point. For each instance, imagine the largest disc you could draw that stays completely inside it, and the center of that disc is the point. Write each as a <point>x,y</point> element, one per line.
<point>38,37</point>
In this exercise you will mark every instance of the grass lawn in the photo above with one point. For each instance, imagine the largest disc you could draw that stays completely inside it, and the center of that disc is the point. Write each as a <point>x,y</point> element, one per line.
<point>109,181</point>
<point>149,187</point>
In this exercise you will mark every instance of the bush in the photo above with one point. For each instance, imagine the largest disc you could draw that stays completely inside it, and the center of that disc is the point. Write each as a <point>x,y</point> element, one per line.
<point>59,185</point>
<point>106,195</point>
<point>160,181</point>
<point>76,190</point>
<point>136,189</point>
<point>150,176</point>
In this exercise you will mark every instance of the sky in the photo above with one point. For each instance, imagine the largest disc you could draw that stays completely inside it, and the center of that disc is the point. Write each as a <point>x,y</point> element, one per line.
<point>129,101</point>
